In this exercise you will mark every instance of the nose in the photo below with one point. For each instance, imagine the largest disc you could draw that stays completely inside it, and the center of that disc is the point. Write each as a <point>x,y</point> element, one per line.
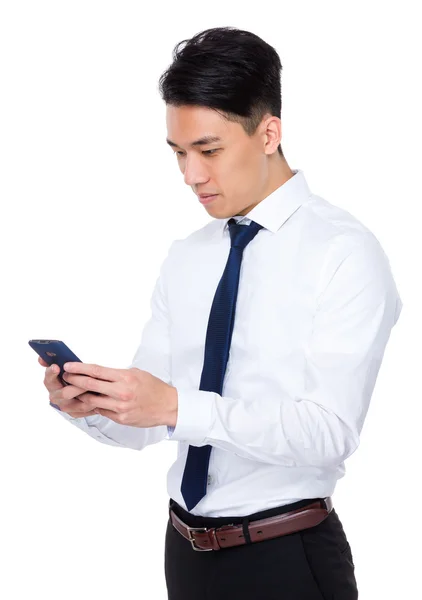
<point>194,171</point>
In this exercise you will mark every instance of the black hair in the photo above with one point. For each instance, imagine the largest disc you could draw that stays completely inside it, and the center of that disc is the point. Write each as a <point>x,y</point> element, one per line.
<point>229,70</point>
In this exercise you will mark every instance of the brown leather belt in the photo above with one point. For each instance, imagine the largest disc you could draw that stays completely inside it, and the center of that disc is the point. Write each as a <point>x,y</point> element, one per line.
<point>202,538</point>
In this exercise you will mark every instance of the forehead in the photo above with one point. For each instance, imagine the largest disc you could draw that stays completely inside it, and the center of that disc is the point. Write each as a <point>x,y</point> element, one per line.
<point>186,124</point>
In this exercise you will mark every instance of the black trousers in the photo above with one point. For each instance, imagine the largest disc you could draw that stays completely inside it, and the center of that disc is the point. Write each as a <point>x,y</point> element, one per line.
<point>313,564</point>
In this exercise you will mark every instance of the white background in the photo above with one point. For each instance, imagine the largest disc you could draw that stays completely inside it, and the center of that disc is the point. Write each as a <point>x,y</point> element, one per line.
<point>91,198</point>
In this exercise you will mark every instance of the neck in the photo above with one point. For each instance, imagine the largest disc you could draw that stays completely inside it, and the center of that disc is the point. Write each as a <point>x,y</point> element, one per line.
<point>279,173</point>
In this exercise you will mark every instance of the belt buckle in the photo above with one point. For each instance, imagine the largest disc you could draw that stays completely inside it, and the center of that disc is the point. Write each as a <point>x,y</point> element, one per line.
<point>192,540</point>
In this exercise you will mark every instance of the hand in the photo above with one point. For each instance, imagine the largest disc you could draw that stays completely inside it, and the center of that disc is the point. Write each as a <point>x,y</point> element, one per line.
<point>73,401</point>
<point>127,396</point>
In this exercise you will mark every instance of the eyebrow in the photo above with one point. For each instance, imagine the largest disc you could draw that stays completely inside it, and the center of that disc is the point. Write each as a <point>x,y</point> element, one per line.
<point>203,141</point>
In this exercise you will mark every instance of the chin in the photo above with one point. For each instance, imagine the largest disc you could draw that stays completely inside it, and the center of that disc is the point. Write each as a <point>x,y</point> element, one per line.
<point>216,211</point>
<point>218,214</point>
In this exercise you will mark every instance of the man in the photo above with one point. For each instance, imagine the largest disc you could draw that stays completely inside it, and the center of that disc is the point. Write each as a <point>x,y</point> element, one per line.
<point>267,332</point>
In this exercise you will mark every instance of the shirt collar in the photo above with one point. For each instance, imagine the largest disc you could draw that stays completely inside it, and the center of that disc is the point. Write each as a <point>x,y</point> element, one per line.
<point>274,210</point>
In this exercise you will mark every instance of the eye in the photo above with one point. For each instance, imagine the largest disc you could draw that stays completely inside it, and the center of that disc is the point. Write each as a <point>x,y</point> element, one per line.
<point>207,152</point>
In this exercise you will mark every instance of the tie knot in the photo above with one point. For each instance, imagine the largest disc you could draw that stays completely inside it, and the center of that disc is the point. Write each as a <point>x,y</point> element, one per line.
<point>241,235</point>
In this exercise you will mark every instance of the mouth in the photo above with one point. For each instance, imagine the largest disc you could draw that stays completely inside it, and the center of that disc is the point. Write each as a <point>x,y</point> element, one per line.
<point>207,199</point>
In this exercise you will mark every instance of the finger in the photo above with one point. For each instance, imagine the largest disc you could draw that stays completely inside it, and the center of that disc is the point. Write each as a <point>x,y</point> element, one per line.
<point>65,394</point>
<point>75,409</point>
<point>110,414</point>
<point>78,414</point>
<point>109,403</point>
<point>95,371</point>
<point>69,405</point>
<point>93,385</point>
<point>85,397</point>
<point>51,379</point>
<point>42,362</point>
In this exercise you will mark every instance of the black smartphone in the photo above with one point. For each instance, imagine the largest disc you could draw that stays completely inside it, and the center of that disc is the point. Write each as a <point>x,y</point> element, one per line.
<point>55,352</point>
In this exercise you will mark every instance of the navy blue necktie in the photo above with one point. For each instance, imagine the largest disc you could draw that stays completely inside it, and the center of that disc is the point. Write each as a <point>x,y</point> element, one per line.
<point>217,347</point>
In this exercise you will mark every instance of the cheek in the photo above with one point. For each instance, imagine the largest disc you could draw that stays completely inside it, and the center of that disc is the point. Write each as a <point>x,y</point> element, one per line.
<point>242,176</point>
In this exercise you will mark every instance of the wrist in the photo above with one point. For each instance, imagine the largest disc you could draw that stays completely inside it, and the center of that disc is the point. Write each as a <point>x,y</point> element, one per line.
<point>171,407</point>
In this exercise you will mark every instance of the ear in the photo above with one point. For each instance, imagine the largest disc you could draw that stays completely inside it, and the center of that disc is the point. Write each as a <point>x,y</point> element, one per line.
<point>272,134</point>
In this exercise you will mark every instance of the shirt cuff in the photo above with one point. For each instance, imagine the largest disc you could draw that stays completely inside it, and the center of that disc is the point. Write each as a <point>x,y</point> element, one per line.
<point>194,416</point>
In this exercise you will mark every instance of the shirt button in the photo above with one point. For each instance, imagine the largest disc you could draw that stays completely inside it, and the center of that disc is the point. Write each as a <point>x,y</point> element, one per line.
<point>209,480</point>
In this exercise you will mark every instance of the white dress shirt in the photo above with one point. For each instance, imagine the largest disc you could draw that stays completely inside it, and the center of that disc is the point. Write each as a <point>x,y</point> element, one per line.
<point>315,307</point>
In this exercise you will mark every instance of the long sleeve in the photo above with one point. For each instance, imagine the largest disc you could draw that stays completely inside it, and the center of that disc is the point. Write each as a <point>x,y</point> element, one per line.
<point>152,355</point>
<point>357,306</point>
